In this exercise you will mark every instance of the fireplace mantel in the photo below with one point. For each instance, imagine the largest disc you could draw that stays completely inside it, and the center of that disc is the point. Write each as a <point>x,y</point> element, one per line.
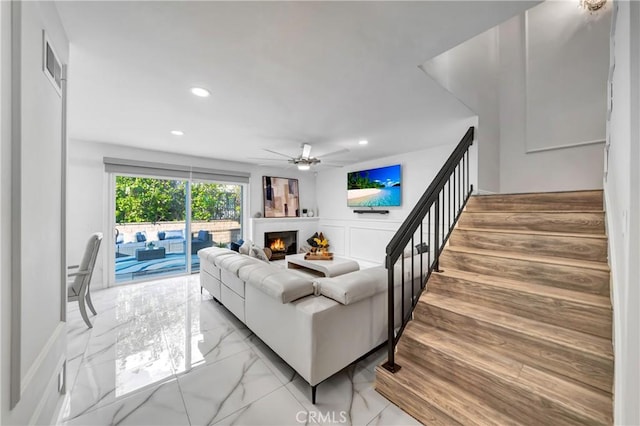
<point>305,226</point>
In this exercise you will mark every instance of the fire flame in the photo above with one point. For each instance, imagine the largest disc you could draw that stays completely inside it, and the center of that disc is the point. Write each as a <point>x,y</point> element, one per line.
<point>278,245</point>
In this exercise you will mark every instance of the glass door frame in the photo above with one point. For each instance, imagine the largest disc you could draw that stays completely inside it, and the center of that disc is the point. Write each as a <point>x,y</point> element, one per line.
<point>110,223</point>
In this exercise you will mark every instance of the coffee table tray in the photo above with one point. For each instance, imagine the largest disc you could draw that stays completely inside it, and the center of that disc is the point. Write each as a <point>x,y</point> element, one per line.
<point>311,256</point>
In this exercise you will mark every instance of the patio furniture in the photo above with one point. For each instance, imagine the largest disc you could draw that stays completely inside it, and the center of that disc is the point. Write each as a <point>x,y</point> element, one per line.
<point>201,240</point>
<point>150,253</point>
<point>78,287</point>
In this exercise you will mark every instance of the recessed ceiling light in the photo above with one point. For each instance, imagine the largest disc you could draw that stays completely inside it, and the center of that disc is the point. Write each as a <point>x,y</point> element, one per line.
<point>363,142</point>
<point>201,92</point>
<point>177,132</point>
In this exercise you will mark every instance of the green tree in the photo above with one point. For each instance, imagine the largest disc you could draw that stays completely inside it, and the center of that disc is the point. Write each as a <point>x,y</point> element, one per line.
<point>149,200</point>
<point>358,181</point>
<point>155,200</point>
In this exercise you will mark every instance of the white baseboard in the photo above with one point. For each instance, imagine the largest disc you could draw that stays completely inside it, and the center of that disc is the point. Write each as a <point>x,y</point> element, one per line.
<point>484,192</point>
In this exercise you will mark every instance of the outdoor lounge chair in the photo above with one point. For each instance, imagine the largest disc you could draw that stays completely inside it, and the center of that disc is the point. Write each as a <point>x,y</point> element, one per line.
<point>78,287</point>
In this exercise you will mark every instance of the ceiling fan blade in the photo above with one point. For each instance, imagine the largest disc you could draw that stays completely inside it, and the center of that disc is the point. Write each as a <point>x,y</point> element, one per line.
<point>306,150</point>
<point>266,159</point>
<point>333,165</point>
<point>276,152</point>
<point>340,151</point>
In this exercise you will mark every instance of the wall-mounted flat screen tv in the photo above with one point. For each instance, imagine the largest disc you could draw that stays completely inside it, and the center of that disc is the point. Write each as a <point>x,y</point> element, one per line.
<point>374,187</point>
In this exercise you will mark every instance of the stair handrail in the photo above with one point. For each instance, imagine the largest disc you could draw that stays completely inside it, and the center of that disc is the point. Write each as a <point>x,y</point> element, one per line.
<point>458,162</point>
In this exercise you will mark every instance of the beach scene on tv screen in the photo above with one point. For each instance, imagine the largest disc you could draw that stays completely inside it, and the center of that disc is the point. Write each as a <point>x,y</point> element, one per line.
<point>374,187</point>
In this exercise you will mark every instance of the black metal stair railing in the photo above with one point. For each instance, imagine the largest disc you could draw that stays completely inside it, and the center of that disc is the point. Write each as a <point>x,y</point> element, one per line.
<point>438,209</point>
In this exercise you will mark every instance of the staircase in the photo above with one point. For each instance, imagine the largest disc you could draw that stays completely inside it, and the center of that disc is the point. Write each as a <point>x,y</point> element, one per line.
<point>516,326</point>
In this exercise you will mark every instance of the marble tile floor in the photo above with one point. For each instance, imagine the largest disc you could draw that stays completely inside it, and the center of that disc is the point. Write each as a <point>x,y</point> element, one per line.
<point>160,353</point>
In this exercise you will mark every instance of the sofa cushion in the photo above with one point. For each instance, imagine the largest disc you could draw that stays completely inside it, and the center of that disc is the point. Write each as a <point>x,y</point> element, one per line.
<point>234,263</point>
<point>174,234</point>
<point>257,272</point>
<point>284,286</point>
<point>212,253</point>
<point>217,258</point>
<point>353,287</point>
<point>129,237</point>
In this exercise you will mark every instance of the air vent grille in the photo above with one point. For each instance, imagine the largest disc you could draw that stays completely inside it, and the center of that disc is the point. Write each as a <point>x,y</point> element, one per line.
<point>51,64</point>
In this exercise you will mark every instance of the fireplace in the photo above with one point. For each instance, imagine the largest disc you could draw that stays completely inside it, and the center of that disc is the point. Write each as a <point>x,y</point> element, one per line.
<point>281,243</point>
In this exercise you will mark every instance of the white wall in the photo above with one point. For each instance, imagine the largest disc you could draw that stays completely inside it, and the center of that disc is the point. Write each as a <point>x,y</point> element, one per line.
<point>5,205</point>
<point>41,333</point>
<point>365,236</point>
<point>622,197</point>
<point>513,85</point>
<point>469,72</point>
<point>571,168</point>
<point>568,62</point>
<point>89,197</point>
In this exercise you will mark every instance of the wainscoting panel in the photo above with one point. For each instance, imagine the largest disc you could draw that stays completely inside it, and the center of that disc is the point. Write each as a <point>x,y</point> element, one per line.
<point>369,243</point>
<point>359,239</point>
<point>337,238</point>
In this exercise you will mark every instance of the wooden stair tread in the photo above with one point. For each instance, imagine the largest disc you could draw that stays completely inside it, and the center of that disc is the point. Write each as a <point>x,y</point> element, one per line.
<point>542,193</point>
<point>456,402</point>
<point>586,264</point>
<point>563,212</point>
<point>522,286</point>
<point>591,403</point>
<point>589,344</point>
<point>527,232</point>
<point>564,201</point>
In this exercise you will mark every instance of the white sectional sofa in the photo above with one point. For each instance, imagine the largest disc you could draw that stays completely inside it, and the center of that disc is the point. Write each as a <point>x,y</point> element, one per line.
<point>317,325</point>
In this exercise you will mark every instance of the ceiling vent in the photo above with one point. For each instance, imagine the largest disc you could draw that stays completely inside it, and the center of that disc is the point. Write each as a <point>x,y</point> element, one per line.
<point>51,64</point>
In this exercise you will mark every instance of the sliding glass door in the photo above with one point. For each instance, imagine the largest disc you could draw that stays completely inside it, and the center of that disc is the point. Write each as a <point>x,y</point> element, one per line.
<point>216,216</point>
<point>161,224</point>
<point>150,227</point>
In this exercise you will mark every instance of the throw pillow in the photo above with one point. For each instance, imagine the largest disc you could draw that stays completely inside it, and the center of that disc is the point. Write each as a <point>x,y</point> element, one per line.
<point>245,248</point>
<point>258,253</point>
<point>161,235</point>
<point>141,237</point>
<point>268,252</point>
<point>234,246</point>
<point>129,237</point>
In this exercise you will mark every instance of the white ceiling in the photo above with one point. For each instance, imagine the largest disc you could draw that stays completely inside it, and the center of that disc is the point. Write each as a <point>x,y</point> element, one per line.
<point>280,74</point>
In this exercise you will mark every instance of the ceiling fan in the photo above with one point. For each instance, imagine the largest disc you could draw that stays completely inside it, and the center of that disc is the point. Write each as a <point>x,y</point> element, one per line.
<point>304,161</point>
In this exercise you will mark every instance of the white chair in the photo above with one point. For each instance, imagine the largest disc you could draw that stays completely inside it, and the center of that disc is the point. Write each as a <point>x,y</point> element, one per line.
<point>78,287</point>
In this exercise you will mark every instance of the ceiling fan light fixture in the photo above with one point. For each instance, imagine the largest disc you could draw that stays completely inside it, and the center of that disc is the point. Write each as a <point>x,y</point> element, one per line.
<point>363,142</point>
<point>306,151</point>
<point>304,167</point>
